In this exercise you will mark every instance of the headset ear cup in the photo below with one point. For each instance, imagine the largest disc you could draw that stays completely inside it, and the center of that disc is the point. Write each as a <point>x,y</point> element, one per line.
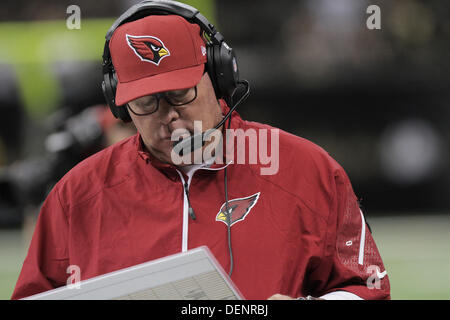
<point>123,113</point>
<point>227,72</point>
<point>210,68</point>
<point>109,91</point>
<point>106,88</point>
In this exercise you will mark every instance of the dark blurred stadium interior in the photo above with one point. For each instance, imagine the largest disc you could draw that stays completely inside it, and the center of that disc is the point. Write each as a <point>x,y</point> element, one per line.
<point>376,100</point>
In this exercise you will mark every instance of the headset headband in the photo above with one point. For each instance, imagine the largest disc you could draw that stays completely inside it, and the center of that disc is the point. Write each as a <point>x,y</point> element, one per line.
<point>143,9</point>
<point>164,7</point>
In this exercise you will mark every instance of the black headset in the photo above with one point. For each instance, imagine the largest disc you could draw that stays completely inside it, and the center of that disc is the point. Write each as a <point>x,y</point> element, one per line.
<point>221,65</point>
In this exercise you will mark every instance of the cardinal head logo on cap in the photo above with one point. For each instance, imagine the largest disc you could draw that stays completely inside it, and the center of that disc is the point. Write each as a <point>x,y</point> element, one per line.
<point>148,48</point>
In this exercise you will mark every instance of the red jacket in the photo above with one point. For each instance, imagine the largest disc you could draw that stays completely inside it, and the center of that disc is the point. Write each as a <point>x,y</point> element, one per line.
<point>303,233</point>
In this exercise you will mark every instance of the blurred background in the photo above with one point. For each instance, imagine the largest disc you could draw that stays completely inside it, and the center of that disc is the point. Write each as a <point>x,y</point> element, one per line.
<point>377,100</point>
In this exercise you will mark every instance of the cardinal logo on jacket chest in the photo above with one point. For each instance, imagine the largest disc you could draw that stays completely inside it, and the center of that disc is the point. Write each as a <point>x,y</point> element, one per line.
<point>238,209</point>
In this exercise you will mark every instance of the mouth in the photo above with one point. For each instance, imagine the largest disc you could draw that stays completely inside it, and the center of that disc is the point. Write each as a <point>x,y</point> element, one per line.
<point>166,138</point>
<point>179,134</point>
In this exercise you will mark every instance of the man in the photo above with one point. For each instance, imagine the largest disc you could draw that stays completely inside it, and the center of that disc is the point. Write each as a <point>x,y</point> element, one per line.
<point>293,231</point>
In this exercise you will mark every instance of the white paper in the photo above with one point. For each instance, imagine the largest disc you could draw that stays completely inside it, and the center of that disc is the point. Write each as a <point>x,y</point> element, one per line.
<point>192,275</point>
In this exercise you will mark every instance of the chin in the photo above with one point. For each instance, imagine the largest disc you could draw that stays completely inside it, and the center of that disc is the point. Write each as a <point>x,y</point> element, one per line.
<point>165,153</point>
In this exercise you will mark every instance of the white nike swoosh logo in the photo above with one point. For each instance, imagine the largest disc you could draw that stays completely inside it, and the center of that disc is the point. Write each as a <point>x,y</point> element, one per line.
<point>381,275</point>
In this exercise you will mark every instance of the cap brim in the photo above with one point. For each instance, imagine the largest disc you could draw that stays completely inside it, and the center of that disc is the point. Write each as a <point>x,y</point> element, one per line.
<point>173,80</point>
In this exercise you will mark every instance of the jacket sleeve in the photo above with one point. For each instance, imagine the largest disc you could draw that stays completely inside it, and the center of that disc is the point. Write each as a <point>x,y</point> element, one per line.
<point>47,259</point>
<point>350,261</point>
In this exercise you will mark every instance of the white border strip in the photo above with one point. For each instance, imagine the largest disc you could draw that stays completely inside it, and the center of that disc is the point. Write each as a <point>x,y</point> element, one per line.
<point>184,235</point>
<point>362,240</point>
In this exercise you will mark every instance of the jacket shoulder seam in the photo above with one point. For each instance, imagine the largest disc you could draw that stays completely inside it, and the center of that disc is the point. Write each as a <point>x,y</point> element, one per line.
<point>290,193</point>
<point>101,189</point>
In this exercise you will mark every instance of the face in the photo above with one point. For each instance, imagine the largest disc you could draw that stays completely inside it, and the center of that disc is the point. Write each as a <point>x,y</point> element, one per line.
<point>156,129</point>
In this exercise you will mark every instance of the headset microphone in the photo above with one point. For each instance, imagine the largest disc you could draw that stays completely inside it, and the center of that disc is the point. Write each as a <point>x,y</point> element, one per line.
<point>198,140</point>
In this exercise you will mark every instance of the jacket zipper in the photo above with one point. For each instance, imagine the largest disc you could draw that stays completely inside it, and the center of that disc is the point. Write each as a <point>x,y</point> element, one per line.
<point>190,210</point>
<point>187,210</point>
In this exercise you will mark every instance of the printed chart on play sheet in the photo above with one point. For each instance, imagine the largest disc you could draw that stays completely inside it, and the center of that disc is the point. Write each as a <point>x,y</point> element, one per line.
<point>192,275</point>
<point>207,286</point>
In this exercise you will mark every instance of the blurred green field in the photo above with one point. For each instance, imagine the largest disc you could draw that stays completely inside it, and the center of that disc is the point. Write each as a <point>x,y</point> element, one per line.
<point>415,250</point>
<point>12,252</point>
<point>416,254</point>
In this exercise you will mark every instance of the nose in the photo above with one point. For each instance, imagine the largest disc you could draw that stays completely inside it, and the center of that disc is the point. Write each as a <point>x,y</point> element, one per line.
<point>168,113</point>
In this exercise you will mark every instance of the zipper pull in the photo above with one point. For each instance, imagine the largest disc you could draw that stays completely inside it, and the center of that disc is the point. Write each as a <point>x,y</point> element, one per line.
<point>192,213</point>
<point>190,210</point>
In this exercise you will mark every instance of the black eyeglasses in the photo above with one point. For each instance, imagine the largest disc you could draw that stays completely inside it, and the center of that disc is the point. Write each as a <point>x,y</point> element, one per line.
<point>150,104</point>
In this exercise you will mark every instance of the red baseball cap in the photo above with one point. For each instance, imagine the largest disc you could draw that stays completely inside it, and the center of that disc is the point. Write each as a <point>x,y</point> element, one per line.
<point>155,54</point>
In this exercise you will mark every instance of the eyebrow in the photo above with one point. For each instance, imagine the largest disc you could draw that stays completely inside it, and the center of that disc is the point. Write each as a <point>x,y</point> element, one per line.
<point>143,100</point>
